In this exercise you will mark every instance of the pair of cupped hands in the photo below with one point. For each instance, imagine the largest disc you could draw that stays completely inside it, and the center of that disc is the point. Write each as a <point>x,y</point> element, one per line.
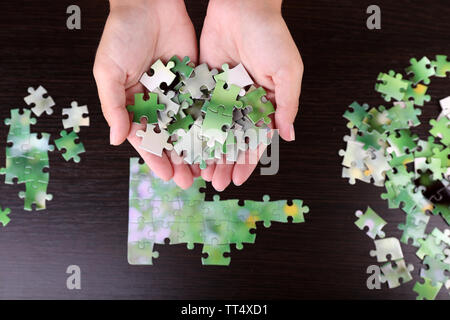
<point>251,32</point>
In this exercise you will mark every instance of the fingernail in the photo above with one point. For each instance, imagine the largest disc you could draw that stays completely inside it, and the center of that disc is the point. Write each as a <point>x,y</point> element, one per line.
<point>111,137</point>
<point>292,133</point>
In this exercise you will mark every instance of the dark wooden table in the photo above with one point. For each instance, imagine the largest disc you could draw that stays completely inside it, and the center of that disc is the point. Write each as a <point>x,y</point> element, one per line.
<point>86,223</point>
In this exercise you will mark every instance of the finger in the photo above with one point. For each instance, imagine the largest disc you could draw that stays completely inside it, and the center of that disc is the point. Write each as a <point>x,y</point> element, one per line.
<point>222,175</point>
<point>246,164</point>
<point>207,174</point>
<point>110,81</point>
<point>196,171</point>
<point>287,82</point>
<point>182,175</point>
<point>161,166</point>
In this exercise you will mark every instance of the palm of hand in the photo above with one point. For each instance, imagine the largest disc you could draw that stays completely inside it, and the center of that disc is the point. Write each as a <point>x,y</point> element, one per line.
<point>262,42</point>
<point>132,41</point>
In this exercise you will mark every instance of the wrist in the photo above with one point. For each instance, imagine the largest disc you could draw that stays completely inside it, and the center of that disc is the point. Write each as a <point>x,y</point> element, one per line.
<point>266,7</point>
<point>142,3</point>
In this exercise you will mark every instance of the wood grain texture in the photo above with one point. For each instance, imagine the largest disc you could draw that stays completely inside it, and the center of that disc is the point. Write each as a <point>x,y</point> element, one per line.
<point>86,223</point>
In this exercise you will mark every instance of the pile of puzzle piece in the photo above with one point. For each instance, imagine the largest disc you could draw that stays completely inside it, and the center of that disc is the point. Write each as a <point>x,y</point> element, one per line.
<point>161,210</point>
<point>201,113</point>
<point>27,159</point>
<point>415,173</point>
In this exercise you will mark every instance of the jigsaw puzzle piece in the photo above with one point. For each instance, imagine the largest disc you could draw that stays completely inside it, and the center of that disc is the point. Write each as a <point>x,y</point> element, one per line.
<point>377,166</point>
<point>354,173</point>
<point>215,254</point>
<point>414,229</point>
<point>182,66</point>
<point>422,70</point>
<point>161,74</point>
<point>441,65</point>
<point>436,270</point>
<point>392,274</point>
<point>403,115</point>
<point>356,115</point>
<point>154,142</point>
<point>441,129</point>
<point>215,126</point>
<point>141,252</point>
<point>19,123</point>
<point>4,219</point>
<point>35,193</point>
<point>41,103</point>
<point>147,109</point>
<point>180,123</point>
<point>67,142</point>
<point>427,290</point>
<point>38,147</point>
<point>202,78</point>
<point>261,107</point>
<point>417,94</point>
<point>15,169</point>
<point>388,247</point>
<point>236,76</point>
<point>430,247</point>
<point>171,108</point>
<point>76,116</point>
<point>225,97</point>
<point>440,236</point>
<point>391,86</point>
<point>372,221</point>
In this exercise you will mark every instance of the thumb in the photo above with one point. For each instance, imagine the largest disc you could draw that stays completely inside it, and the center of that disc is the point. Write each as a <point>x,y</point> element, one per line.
<point>288,81</point>
<point>110,79</point>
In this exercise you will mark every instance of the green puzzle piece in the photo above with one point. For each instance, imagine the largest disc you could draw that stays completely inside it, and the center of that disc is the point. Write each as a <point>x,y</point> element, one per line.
<point>216,255</point>
<point>427,290</point>
<point>224,97</point>
<point>147,109</point>
<point>141,252</point>
<point>4,219</point>
<point>371,220</point>
<point>260,109</point>
<point>421,69</point>
<point>180,123</point>
<point>357,115</point>
<point>417,94</point>
<point>36,193</point>
<point>19,123</point>
<point>392,86</point>
<point>441,129</point>
<point>67,142</point>
<point>442,66</point>
<point>182,67</point>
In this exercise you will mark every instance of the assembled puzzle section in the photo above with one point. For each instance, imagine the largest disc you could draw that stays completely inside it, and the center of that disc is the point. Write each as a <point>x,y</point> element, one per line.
<point>201,113</point>
<point>27,158</point>
<point>161,212</point>
<point>381,149</point>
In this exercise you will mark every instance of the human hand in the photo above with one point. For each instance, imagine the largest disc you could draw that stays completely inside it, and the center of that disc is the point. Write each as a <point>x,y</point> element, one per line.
<point>136,34</point>
<point>253,32</point>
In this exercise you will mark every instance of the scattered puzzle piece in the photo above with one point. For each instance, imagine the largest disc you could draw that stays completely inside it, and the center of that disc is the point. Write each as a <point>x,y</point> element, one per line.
<point>4,219</point>
<point>426,290</point>
<point>67,142</point>
<point>372,221</point>
<point>75,116</point>
<point>41,104</point>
